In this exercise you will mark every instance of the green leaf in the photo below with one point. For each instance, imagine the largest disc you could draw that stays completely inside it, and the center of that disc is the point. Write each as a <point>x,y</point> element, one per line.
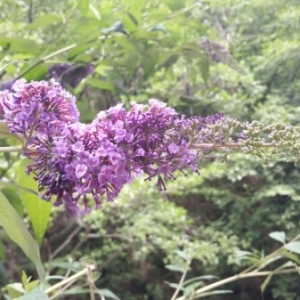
<point>24,278</point>
<point>126,43</point>
<point>84,6</point>
<point>75,266</point>
<point>6,65</point>
<point>107,293</point>
<point>44,21</point>
<point>15,290</point>
<point>158,27</point>
<point>18,232</point>
<point>23,46</point>
<point>183,255</point>
<point>278,236</point>
<point>100,84</point>
<point>14,199</point>
<point>102,69</point>
<point>37,209</point>
<point>289,255</point>
<point>190,289</point>
<point>129,23</point>
<point>293,247</point>
<point>175,285</point>
<point>85,25</point>
<point>35,294</point>
<point>31,285</point>
<point>270,260</point>
<point>265,283</point>
<point>133,19</point>
<point>218,292</point>
<point>176,268</point>
<point>37,73</point>
<point>200,278</point>
<point>15,186</point>
<point>78,50</point>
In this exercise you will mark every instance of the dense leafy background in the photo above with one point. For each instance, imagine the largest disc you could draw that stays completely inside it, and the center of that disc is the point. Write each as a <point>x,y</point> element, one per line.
<point>201,57</point>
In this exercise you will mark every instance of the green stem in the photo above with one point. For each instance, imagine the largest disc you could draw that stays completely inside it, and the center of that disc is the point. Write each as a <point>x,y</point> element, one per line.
<point>240,276</point>
<point>11,149</point>
<point>227,145</point>
<point>181,281</point>
<point>46,58</point>
<point>69,279</point>
<point>269,256</point>
<point>91,284</point>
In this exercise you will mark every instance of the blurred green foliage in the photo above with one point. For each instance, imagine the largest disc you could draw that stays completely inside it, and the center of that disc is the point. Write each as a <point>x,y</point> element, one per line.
<point>201,57</point>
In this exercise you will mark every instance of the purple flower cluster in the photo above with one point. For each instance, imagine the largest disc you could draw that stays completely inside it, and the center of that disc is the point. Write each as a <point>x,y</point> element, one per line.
<point>149,139</point>
<point>32,109</point>
<point>74,161</point>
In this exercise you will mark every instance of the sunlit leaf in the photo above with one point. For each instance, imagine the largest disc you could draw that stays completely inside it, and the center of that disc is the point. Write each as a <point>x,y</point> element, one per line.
<point>44,21</point>
<point>278,236</point>
<point>269,261</point>
<point>183,255</point>
<point>17,231</point>
<point>102,69</point>
<point>15,290</point>
<point>78,50</point>
<point>37,73</point>
<point>107,294</point>
<point>37,209</point>
<point>293,247</point>
<point>100,84</point>
<point>23,45</point>
<point>11,193</point>
<point>289,255</point>
<point>84,6</point>
<point>200,278</point>
<point>176,268</point>
<point>175,285</point>
<point>35,294</point>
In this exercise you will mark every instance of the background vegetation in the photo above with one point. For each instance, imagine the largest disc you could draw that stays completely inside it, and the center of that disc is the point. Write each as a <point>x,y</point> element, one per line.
<point>240,57</point>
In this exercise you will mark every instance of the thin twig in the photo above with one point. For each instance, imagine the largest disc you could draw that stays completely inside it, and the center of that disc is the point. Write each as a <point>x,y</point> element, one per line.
<point>269,256</point>
<point>241,276</point>
<point>81,241</point>
<point>11,149</point>
<point>181,281</point>
<point>91,284</point>
<point>67,280</point>
<point>66,242</point>
<point>42,60</point>
<point>62,289</point>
